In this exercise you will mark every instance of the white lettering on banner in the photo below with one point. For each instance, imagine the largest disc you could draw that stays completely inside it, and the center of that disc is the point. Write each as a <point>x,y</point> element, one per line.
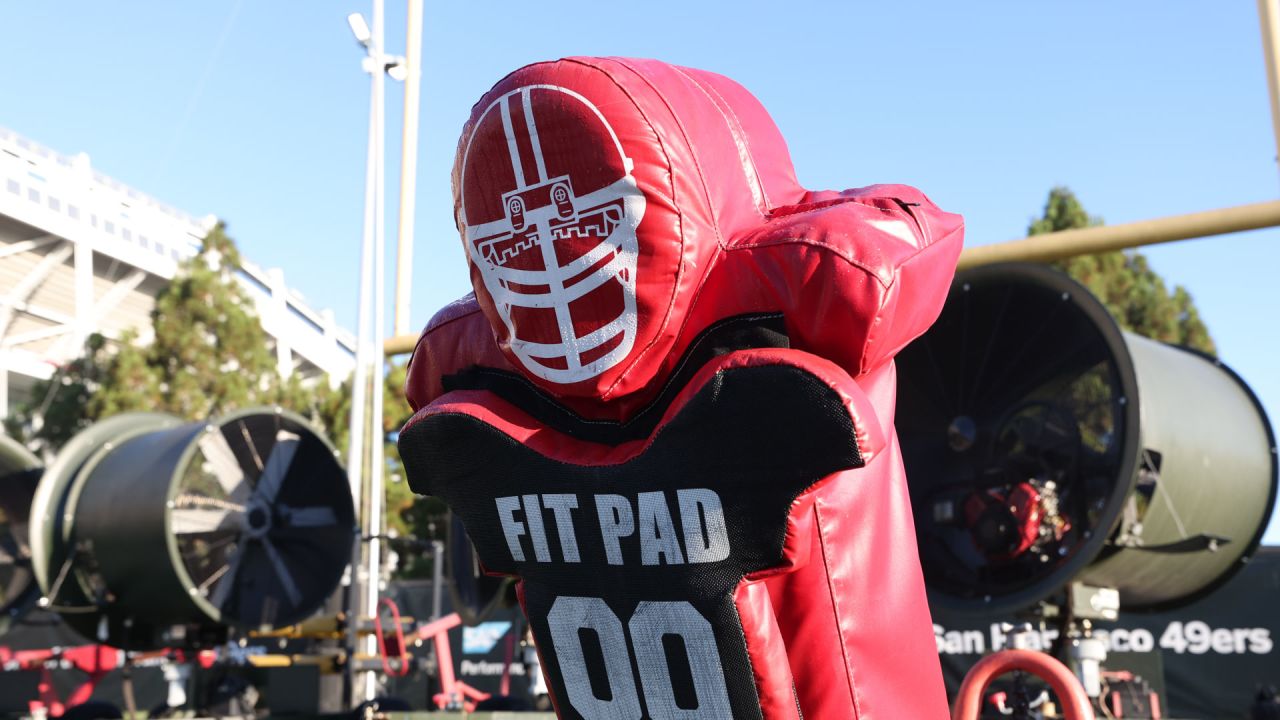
<point>1198,638</point>
<point>1141,640</point>
<point>484,668</point>
<point>1124,640</point>
<point>1193,637</point>
<point>1039,640</point>
<point>647,521</point>
<point>649,624</point>
<point>956,642</point>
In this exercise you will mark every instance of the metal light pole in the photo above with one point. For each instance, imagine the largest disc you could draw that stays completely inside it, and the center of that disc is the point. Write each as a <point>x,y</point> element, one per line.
<point>377,464</point>
<point>1269,21</point>
<point>366,409</point>
<point>408,166</point>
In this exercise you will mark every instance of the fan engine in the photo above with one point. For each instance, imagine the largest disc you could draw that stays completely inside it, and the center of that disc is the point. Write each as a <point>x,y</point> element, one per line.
<point>1044,446</point>
<point>151,532</point>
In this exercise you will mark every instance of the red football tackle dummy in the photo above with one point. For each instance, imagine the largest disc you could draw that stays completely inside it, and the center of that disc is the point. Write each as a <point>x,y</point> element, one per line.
<point>667,408</point>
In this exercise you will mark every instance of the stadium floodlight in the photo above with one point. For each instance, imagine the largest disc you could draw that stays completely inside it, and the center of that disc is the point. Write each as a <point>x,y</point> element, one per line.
<point>359,28</point>
<point>397,68</point>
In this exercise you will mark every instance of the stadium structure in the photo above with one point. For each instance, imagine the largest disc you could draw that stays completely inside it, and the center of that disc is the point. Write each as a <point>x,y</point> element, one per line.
<point>81,252</point>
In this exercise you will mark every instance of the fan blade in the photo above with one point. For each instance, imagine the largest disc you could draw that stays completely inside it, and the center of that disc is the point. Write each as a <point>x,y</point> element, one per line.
<point>184,521</point>
<point>223,464</point>
<point>10,550</point>
<point>227,579</point>
<point>318,516</point>
<point>282,572</point>
<point>277,465</point>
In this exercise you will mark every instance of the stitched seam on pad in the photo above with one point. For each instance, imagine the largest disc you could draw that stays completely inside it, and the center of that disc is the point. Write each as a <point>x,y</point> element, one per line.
<point>452,320</point>
<point>706,196</point>
<point>408,366</point>
<point>922,248</point>
<point>878,320</point>
<point>785,210</point>
<point>872,335</point>
<point>838,251</point>
<point>739,140</point>
<point>835,611</point>
<point>746,141</point>
<point>671,173</point>
<point>684,133</point>
<point>814,243</point>
<point>742,631</point>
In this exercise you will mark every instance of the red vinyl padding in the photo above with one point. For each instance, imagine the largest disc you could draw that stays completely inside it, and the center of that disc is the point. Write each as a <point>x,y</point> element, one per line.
<point>612,211</point>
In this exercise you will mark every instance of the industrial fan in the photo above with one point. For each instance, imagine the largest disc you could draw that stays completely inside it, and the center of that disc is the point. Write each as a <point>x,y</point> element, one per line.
<point>19,473</point>
<point>1043,445</point>
<point>151,532</point>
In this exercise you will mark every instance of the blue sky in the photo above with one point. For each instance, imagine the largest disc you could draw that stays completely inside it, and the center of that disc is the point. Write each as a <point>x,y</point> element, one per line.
<point>257,112</point>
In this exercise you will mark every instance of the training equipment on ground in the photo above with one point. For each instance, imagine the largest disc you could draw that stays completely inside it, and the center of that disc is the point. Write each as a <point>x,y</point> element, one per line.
<point>668,406</point>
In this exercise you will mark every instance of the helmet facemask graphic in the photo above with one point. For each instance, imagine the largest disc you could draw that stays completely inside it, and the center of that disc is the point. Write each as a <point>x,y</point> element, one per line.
<point>550,210</point>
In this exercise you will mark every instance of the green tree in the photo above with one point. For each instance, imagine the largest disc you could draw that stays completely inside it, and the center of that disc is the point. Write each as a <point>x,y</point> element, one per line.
<point>210,353</point>
<point>1125,283</point>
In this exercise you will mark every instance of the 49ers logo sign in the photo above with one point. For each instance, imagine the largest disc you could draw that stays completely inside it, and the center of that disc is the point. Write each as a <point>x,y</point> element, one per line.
<point>550,210</point>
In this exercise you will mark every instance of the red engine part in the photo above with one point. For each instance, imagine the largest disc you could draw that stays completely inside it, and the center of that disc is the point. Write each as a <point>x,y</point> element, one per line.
<point>1005,523</point>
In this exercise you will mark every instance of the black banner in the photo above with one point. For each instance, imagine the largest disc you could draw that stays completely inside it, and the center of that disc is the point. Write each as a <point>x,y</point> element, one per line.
<point>1216,653</point>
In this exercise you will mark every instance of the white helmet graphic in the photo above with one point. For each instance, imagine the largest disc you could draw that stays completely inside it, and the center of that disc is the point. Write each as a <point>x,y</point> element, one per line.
<point>549,210</point>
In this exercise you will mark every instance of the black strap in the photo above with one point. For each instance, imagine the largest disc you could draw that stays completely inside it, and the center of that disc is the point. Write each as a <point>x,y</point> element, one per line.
<point>741,332</point>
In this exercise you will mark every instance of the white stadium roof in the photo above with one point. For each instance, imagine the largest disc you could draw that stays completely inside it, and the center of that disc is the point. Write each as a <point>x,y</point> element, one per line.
<point>81,253</point>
